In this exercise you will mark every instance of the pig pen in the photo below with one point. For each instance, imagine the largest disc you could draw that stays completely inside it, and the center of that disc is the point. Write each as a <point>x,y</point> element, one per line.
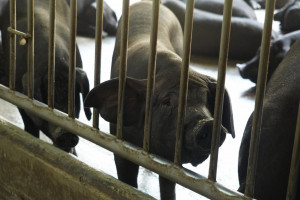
<point>87,178</point>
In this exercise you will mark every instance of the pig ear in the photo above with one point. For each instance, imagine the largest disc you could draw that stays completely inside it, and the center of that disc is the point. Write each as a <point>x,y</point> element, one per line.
<point>104,97</point>
<point>83,82</point>
<point>227,117</point>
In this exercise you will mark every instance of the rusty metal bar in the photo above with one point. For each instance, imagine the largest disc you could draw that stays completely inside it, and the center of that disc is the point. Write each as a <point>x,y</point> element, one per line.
<point>218,111</point>
<point>12,45</point>
<point>182,176</point>
<point>184,76</point>
<point>19,33</point>
<point>123,66</point>
<point>30,46</point>
<point>151,73</point>
<point>72,58</point>
<point>260,93</point>
<point>295,164</point>
<point>98,50</point>
<point>51,53</point>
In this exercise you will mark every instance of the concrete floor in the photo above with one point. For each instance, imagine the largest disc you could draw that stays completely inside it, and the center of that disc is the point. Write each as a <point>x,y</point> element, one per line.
<point>102,159</point>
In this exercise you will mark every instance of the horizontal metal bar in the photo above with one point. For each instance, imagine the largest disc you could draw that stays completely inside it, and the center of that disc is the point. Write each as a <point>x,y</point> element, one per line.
<point>182,176</point>
<point>64,178</point>
<point>19,33</point>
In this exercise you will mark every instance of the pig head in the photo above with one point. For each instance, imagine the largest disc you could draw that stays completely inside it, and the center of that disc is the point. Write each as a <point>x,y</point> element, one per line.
<point>200,101</point>
<point>86,13</point>
<point>278,49</point>
<point>33,124</point>
<point>278,127</point>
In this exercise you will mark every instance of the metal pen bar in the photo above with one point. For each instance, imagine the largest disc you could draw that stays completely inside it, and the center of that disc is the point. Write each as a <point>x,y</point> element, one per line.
<point>184,76</point>
<point>218,111</point>
<point>19,33</point>
<point>151,73</point>
<point>72,58</point>
<point>123,66</point>
<point>295,164</point>
<point>30,48</point>
<point>12,45</point>
<point>51,53</point>
<point>98,50</point>
<point>182,176</point>
<point>260,93</point>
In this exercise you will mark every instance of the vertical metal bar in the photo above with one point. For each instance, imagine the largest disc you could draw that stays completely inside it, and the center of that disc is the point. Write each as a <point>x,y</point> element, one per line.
<point>260,93</point>
<point>51,53</point>
<point>184,76</point>
<point>295,164</point>
<point>98,50</point>
<point>30,50</point>
<point>72,58</point>
<point>123,66</point>
<point>223,58</point>
<point>151,73</point>
<point>12,44</point>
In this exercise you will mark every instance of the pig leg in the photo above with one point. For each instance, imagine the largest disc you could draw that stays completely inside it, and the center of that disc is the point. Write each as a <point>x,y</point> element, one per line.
<point>29,125</point>
<point>167,189</point>
<point>127,171</point>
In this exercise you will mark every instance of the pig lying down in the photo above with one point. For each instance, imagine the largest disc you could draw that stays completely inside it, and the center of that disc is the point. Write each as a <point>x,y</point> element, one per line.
<point>245,36</point>
<point>200,102</point>
<point>279,47</point>
<point>61,138</point>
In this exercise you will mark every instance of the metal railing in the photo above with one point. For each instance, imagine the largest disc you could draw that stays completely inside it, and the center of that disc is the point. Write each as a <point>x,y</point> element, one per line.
<point>172,170</point>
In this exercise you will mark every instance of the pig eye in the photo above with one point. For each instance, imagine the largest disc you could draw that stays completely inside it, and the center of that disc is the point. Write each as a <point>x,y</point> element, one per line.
<point>166,102</point>
<point>202,136</point>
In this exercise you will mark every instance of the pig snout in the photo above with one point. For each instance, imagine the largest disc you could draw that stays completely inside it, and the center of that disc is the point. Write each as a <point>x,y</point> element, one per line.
<point>249,69</point>
<point>198,140</point>
<point>64,140</point>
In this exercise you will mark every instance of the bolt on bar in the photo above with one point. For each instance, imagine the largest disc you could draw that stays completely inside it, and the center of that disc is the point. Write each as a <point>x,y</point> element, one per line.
<point>223,58</point>
<point>30,48</point>
<point>151,73</point>
<point>12,45</point>
<point>123,66</point>
<point>295,164</point>
<point>72,58</point>
<point>98,50</point>
<point>51,53</point>
<point>184,76</point>
<point>260,93</point>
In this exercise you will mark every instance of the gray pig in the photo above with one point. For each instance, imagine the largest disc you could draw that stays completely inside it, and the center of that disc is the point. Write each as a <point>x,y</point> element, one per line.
<point>279,47</point>
<point>289,17</point>
<point>277,131</point>
<point>61,138</point>
<point>86,13</point>
<point>245,37</point>
<point>200,101</point>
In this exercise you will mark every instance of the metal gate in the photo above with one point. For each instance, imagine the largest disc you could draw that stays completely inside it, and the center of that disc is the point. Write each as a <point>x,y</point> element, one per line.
<point>141,156</point>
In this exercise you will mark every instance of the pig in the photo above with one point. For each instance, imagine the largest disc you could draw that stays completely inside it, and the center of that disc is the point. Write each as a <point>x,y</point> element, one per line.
<point>200,101</point>
<point>261,4</point>
<point>245,36</point>
<point>289,17</point>
<point>279,47</point>
<point>278,127</point>
<point>239,7</point>
<point>61,138</point>
<point>86,13</point>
